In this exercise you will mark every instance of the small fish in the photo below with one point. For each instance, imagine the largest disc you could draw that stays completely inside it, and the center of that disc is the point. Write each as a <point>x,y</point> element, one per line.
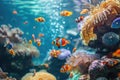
<point>79,19</point>
<point>60,42</point>
<point>9,45</point>
<point>116,53</point>
<point>12,52</point>
<point>46,65</point>
<point>66,68</point>
<point>65,13</point>
<point>84,11</point>
<point>74,49</point>
<point>30,41</point>
<point>55,53</point>
<point>15,12</point>
<point>40,19</point>
<point>25,22</point>
<point>41,35</point>
<point>33,36</point>
<point>39,43</point>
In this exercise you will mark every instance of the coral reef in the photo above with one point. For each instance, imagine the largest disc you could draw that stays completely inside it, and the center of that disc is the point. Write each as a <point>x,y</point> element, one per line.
<point>3,76</point>
<point>54,68</point>
<point>99,30</point>
<point>20,62</point>
<point>81,61</point>
<point>100,15</point>
<point>26,49</point>
<point>104,68</point>
<point>41,75</point>
<point>12,34</point>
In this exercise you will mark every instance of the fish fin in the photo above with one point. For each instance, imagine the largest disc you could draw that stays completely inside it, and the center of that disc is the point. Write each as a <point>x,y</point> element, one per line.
<point>68,41</point>
<point>53,42</point>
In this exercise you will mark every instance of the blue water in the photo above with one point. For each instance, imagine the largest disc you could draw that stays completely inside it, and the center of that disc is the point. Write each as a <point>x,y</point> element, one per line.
<point>54,26</point>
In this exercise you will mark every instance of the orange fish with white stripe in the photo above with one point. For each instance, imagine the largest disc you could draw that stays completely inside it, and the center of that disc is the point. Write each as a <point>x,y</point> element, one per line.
<point>60,42</point>
<point>66,68</point>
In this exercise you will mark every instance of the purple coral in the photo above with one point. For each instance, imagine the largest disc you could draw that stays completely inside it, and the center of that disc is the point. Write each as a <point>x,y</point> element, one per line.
<point>101,68</point>
<point>64,54</point>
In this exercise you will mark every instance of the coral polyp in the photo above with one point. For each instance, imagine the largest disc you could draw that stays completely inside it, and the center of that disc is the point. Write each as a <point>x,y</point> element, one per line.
<point>100,15</point>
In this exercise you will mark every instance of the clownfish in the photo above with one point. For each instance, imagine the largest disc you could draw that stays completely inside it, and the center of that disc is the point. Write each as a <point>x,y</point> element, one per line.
<point>40,19</point>
<point>79,19</point>
<point>66,68</point>
<point>74,49</point>
<point>60,42</point>
<point>55,53</point>
<point>65,13</point>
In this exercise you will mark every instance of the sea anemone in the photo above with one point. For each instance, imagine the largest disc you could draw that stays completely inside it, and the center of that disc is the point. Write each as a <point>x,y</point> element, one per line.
<point>80,61</point>
<point>105,13</point>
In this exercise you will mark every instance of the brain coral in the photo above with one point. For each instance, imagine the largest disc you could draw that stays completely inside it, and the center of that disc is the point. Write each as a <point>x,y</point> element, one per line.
<point>105,13</point>
<point>42,75</point>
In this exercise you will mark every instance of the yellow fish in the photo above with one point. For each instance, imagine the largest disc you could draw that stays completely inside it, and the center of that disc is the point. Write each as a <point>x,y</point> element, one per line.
<point>12,52</point>
<point>40,19</point>
<point>39,43</point>
<point>65,13</point>
<point>84,11</point>
<point>30,41</point>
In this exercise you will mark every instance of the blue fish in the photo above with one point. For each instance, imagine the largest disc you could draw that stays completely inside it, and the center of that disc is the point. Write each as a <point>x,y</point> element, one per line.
<point>116,23</point>
<point>9,46</point>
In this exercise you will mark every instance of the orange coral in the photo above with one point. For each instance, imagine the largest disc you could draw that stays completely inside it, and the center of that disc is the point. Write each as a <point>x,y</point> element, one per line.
<point>102,14</point>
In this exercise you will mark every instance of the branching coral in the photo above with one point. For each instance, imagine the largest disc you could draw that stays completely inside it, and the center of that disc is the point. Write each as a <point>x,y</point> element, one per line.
<point>99,15</point>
